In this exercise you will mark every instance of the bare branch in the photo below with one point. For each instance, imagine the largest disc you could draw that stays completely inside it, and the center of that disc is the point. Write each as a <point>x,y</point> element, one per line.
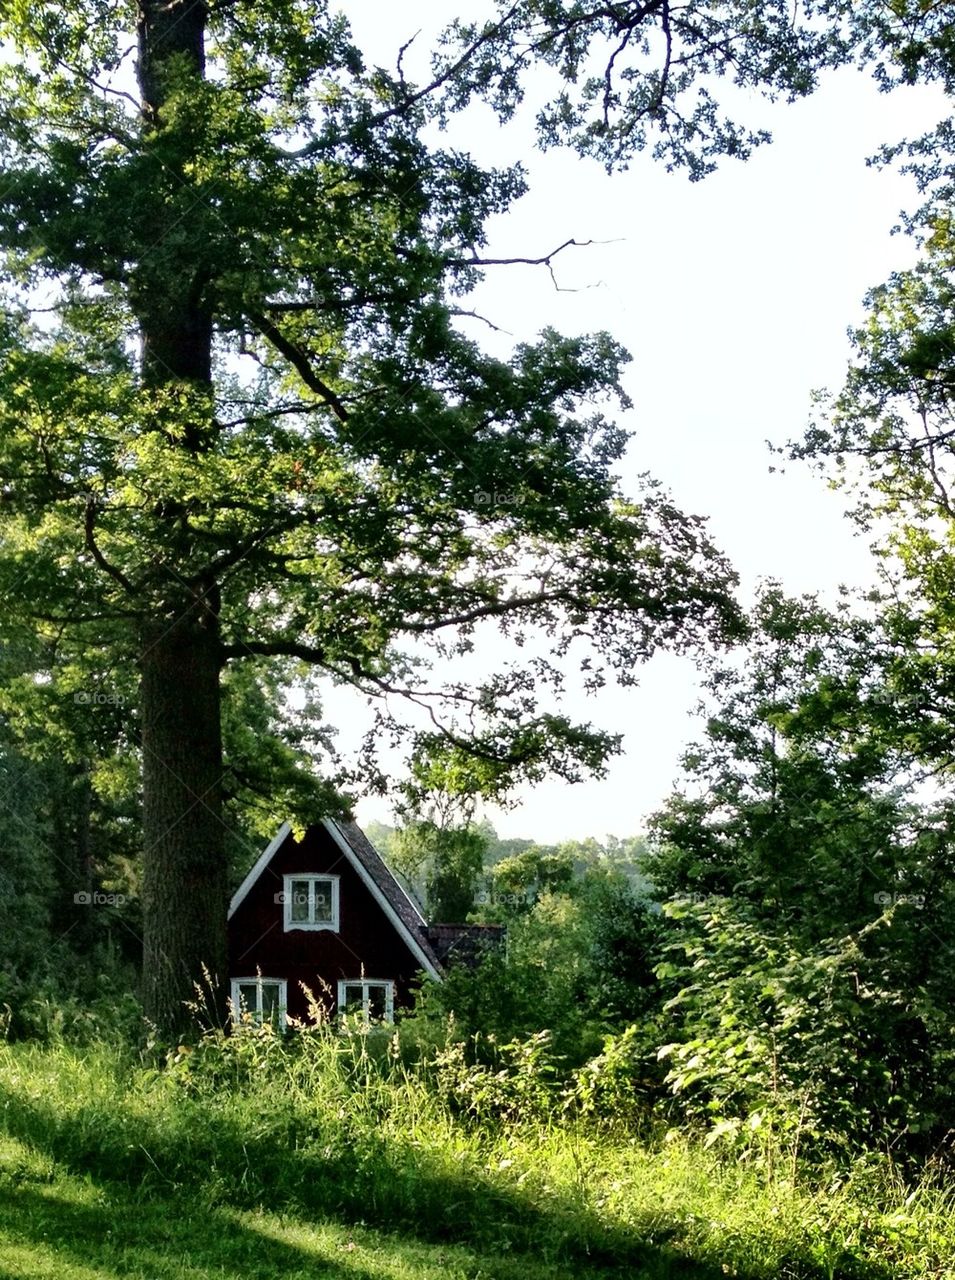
<point>476,315</point>
<point>545,261</point>
<point>401,54</point>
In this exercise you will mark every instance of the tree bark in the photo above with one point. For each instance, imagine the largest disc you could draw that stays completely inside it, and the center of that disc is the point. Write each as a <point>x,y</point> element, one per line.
<point>169,31</point>
<point>184,860</point>
<point>184,872</point>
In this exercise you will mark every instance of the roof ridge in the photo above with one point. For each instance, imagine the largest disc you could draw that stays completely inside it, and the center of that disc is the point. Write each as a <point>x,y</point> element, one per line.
<point>388,883</point>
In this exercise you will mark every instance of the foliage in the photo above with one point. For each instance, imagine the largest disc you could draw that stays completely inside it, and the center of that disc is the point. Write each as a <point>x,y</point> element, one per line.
<point>325,489</point>
<point>442,862</point>
<point>68,919</point>
<point>522,1085</point>
<point>70,871</point>
<point>639,75</point>
<point>809,897</point>
<point>623,1083</point>
<point>796,798</point>
<point>516,881</point>
<point>578,964</point>
<point>242,418</point>
<point>503,876</point>
<point>787,1045</point>
<point>887,437</point>
<point>27,885</point>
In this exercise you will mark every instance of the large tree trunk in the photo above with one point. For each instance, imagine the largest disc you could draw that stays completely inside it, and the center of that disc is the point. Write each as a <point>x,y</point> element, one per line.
<point>169,31</point>
<point>184,871</point>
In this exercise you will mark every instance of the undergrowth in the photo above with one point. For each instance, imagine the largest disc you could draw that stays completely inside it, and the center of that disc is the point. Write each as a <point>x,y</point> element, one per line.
<point>342,1127</point>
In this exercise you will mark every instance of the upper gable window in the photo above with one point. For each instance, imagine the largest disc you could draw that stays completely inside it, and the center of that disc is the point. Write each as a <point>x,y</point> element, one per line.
<point>311,902</point>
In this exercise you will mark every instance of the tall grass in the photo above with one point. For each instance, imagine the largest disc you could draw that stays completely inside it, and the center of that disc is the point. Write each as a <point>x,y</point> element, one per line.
<point>342,1127</point>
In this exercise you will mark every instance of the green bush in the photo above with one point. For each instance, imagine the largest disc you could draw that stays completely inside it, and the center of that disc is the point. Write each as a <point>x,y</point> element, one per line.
<point>578,964</point>
<point>820,1048</point>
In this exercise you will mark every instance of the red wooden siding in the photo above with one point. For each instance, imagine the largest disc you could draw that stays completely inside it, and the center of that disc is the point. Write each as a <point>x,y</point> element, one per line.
<point>366,939</point>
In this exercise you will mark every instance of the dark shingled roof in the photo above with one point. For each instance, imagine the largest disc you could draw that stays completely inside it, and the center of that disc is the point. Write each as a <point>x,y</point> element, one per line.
<point>384,878</point>
<point>465,943</point>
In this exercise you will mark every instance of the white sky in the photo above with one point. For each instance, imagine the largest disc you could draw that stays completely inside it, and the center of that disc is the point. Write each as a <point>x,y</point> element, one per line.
<point>733,295</point>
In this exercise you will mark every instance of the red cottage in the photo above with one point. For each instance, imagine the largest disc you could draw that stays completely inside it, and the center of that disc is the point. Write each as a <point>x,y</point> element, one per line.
<point>327,913</point>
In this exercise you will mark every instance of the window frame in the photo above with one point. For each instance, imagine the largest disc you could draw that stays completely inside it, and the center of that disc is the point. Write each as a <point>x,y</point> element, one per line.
<point>365,983</point>
<point>259,980</point>
<point>291,925</point>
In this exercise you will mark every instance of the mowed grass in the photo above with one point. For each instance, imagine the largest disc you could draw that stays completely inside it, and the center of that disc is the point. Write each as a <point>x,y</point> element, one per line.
<point>253,1160</point>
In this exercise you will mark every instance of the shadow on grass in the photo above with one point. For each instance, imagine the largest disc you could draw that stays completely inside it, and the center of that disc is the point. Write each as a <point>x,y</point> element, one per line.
<point>45,1233</point>
<point>358,1178</point>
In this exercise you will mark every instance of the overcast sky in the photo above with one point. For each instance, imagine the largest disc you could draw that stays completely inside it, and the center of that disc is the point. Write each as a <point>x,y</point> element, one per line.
<point>734,295</point>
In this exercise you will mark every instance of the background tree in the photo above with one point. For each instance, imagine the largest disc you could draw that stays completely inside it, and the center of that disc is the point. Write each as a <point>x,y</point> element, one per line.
<point>70,866</point>
<point>796,798</point>
<point>578,964</point>
<point>807,961</point>
<point>440,862</point>
<point>888,438</point>
<point>518,880</point>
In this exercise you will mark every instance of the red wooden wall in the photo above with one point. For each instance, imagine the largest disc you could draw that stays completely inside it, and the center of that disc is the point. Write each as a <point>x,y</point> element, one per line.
<point>366,939</point>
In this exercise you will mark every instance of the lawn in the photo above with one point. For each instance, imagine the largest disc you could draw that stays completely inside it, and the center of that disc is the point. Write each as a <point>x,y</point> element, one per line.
<point>58,1226</point>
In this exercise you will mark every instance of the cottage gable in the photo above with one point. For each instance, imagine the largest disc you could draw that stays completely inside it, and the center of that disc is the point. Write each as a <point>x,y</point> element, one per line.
<point>325,913</point>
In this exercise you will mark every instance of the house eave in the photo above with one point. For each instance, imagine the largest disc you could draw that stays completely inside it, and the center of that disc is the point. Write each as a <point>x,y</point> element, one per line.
<point>284,831</point>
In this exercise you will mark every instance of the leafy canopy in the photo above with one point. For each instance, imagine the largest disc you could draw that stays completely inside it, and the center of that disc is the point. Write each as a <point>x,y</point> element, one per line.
<point>353,483</point>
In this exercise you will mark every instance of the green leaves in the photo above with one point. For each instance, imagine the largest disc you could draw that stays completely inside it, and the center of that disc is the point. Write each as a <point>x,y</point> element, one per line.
<point>807,886</point>
<point>635,76</point>
<point>248,389</point>
<point>793,1044</point>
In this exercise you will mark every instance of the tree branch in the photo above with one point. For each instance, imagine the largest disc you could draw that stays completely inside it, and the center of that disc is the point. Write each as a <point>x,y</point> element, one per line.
<point>940,488</point>
<point>300,363</point>
<point>117,575</point>
<point>476,315</point>
<point>545,261</point>
<point>493,609</point>
<point>412,99</point>
<point>275,649</point>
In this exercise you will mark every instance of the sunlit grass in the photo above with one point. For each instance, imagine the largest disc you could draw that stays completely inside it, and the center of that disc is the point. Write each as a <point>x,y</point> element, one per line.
<point>253,1159</point>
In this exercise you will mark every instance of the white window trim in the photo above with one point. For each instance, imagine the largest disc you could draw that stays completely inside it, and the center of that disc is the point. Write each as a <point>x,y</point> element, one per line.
<point>311,877</point>
<point>424,958</point>
<point>365,983</point>
<point>259,980</point>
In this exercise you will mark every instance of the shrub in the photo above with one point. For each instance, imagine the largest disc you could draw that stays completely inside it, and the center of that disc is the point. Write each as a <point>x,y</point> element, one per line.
<point>823,1046</point>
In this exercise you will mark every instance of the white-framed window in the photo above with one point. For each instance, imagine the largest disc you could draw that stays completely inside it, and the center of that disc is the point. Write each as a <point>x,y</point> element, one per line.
<point>373,998</point>
<point>264,998</point>
<point>311,902</point>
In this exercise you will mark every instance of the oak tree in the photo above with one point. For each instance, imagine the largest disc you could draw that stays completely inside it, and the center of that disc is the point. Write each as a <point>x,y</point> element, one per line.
<point>241,415</point>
